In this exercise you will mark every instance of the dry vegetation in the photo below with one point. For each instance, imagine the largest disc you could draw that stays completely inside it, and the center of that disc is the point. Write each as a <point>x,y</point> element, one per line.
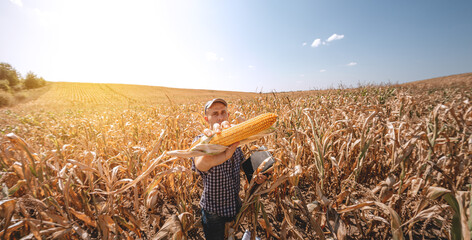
<point>88,161</point>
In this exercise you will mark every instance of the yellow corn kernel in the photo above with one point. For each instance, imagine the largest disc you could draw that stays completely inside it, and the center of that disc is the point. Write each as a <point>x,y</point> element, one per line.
<point>244,130</point>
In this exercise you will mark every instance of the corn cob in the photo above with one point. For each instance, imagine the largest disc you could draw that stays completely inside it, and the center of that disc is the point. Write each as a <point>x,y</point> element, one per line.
<point>244,130</point>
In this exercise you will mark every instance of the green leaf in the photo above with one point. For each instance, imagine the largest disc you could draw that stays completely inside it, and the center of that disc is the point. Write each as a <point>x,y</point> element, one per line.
<point>456,228</point>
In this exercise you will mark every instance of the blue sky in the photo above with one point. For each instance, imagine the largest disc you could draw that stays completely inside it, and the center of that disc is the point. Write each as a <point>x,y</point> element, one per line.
<point>237,45</point>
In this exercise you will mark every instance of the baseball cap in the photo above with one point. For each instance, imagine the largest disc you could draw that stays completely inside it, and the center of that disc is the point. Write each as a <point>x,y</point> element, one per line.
<point>209,103</point>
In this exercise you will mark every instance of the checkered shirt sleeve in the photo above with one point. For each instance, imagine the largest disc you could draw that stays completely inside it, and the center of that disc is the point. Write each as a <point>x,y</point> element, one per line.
<point>221,185</point>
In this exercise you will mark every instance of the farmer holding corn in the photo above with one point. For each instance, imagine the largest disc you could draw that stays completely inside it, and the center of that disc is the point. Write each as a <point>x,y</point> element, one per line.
<point>220,200</point>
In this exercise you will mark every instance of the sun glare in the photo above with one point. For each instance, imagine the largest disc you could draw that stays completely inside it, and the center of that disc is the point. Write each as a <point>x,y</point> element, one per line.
<point>121,43</point>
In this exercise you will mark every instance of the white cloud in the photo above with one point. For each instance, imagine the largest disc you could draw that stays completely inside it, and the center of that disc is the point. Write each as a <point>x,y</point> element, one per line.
<point>351,64</point>
<point>335,37</point>
<point>211,56</point>
<point>302,75</point>
<point>19,3</point>
<point>316,42</point>
<point>304,44</point>
<point>251,67</point>
<point>323,70</point>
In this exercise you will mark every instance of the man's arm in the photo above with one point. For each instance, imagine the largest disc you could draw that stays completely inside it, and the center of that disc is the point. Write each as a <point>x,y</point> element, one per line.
<point>204,163</point>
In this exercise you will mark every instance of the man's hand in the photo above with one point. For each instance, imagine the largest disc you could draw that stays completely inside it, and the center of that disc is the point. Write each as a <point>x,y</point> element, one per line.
<point>204,163</point>
<point>217,128</point>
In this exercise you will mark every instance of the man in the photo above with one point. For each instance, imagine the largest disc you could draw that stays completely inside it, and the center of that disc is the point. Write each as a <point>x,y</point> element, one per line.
<point>220,200</point>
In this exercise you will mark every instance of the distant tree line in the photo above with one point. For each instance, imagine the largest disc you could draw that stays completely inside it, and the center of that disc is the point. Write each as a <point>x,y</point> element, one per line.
<point>11,84</point>
<point>10,79</point>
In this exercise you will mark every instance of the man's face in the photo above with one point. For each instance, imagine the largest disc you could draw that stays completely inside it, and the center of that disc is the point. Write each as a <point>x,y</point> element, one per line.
<point>216,113</point>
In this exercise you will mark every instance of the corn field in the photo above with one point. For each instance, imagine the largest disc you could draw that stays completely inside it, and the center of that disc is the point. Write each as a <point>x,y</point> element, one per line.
<point>88,161</point>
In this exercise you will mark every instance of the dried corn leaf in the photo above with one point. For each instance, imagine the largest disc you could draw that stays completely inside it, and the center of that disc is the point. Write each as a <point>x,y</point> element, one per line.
<point>395,221</point>
<point>106,225</point>
<point>7,207</point>
<point>83,217</point>
<point>170,228</point>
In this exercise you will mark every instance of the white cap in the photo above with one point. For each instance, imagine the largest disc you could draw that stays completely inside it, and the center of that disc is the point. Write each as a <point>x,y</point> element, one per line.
<point>209,103</point>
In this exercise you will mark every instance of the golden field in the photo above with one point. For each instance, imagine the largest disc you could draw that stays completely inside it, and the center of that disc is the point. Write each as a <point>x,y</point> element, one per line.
<point>87,161</point>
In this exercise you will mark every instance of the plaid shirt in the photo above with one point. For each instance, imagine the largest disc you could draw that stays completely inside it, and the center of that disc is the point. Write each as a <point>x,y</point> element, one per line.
<point>221,186</point>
